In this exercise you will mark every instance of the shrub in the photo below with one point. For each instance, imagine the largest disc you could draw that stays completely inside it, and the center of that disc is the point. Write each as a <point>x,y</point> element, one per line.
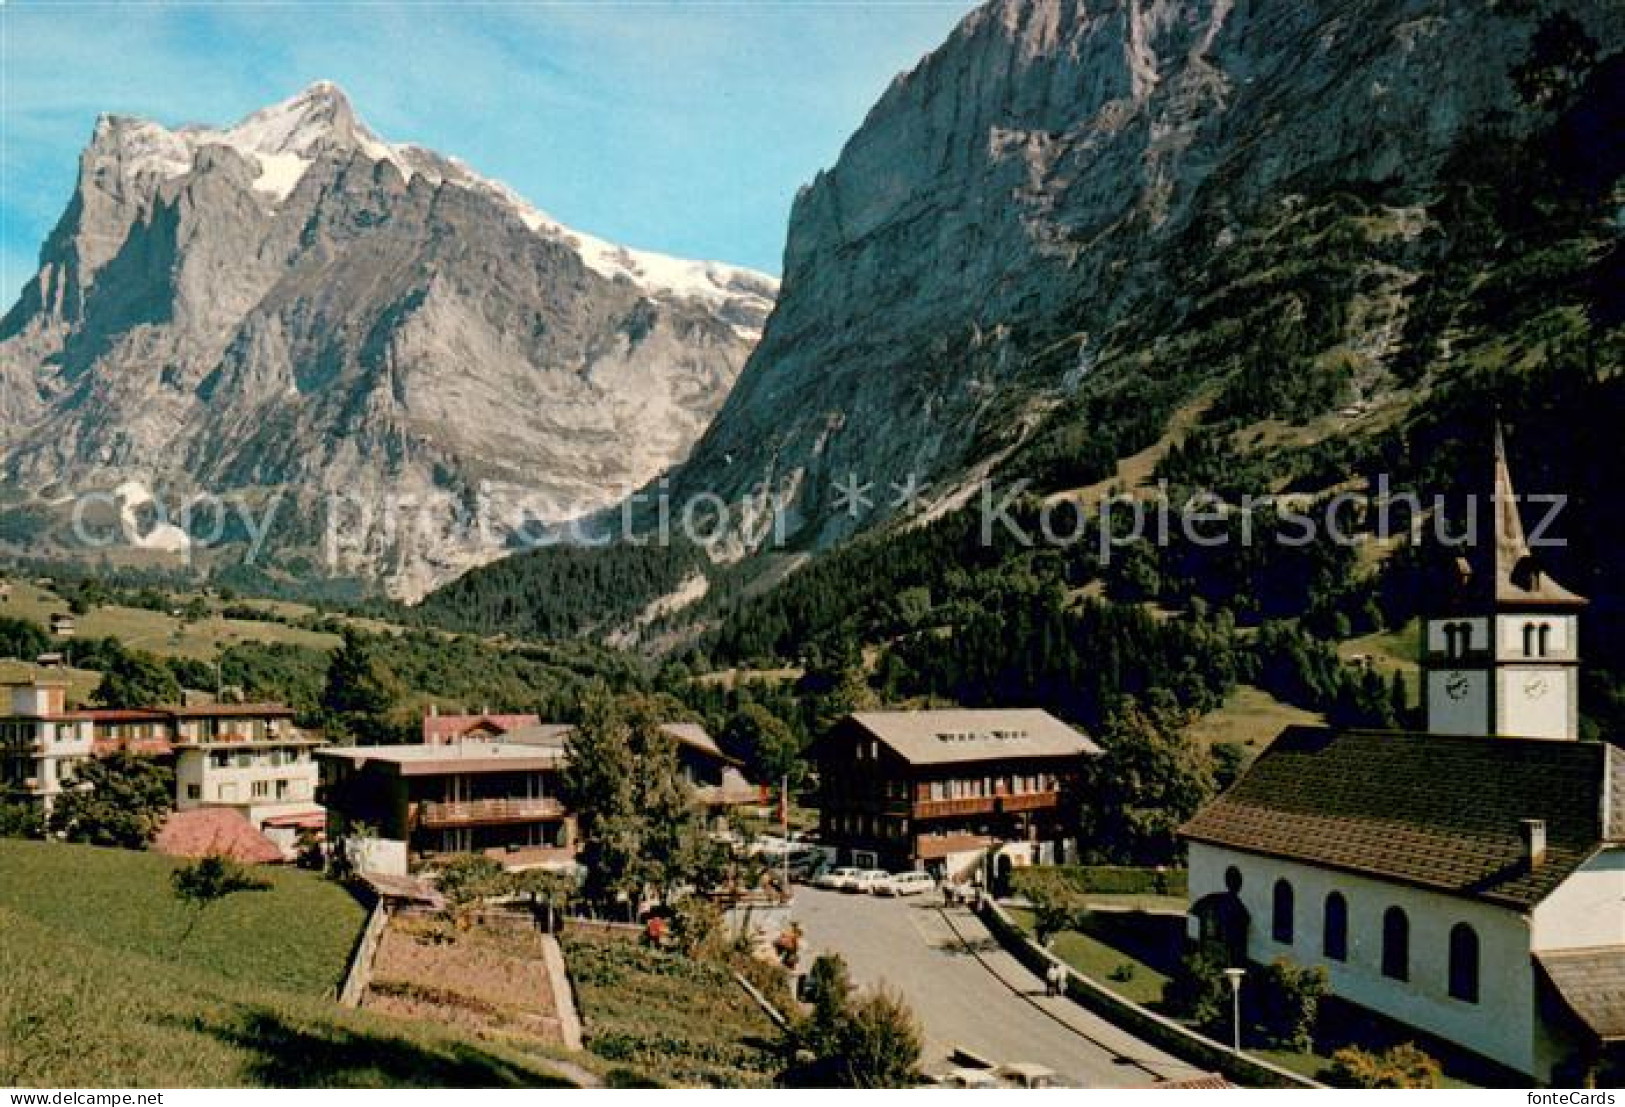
<point>879,1044</point>
<point>1054,909</point>
<point>1039,880</point>
<point>21,820</point>
<point>1403,1066</point>
<point>697,926</point>
<point>1287,1002</point>
<point>1198,990</point>
<point>208,880</point>
<point>467,878</point>
<point>852,1040</point>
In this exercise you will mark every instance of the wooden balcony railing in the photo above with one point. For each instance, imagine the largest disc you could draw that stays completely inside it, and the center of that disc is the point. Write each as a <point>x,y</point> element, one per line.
<point>1029,801</point>
<point>470,812</point>
<point>970,805</point>
<point>984,805</point>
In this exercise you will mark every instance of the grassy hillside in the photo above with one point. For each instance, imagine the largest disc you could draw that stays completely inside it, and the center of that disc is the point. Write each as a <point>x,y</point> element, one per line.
<point>295,937</point>
<point>1250,718</point>
<point>95,992</point>
<point>163,633</point>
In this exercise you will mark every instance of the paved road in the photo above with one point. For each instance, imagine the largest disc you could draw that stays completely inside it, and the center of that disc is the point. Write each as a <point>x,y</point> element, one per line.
<point>968,992</point>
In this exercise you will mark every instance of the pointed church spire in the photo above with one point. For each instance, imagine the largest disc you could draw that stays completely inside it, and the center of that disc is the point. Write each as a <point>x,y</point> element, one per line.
<point>1514,573</point>
<point>1511,547</point>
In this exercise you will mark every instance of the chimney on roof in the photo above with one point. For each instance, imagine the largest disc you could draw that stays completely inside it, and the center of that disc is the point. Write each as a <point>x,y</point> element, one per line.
<point>1533,833</point>
<point>434,710</point>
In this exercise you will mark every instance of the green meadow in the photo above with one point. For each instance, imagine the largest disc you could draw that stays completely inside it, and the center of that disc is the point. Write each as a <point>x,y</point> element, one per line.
<point>97,988</point>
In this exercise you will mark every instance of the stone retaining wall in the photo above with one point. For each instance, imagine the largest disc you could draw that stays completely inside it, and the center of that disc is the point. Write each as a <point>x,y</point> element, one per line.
<point>1166,1034</point>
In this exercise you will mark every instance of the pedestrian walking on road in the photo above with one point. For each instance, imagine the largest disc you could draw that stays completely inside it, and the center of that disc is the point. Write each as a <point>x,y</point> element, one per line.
<point>1054,980</point>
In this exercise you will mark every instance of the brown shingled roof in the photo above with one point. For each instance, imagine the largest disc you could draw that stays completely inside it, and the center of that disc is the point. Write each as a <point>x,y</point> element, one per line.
<point>1592,984</point>
<point>1430,810</point>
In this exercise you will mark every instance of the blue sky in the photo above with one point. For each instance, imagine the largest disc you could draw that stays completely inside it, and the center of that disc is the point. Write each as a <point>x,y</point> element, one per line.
<point>680,127</point>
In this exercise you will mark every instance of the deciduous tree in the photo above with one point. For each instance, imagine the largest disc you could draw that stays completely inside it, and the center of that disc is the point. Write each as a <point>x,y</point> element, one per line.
<point>208,880</point>
<point>120,800</point>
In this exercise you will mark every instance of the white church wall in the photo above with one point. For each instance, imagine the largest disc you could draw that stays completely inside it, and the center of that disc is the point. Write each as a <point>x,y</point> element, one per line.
<point>1534,703</point>
<point>1501,1025</point>
<point>1586,910</point>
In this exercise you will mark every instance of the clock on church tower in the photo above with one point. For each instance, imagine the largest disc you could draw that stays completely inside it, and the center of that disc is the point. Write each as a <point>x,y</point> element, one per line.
<point>1503,658</point>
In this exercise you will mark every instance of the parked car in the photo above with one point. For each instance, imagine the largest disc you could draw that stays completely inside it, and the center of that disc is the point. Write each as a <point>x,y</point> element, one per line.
<point>906,884</point>
<point>836,878</point>
<point>866,880</point>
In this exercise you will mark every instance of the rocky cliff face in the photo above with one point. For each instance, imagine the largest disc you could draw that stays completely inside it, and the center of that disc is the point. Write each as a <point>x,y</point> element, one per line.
<point>1032,215</point>
<point>294,307</point>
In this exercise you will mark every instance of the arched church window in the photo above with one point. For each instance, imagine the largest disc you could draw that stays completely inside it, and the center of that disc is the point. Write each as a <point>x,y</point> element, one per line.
<point>1396,944</point>
<point>1464,963</point>
<point>1335,936</point>
<point>1281,913</point>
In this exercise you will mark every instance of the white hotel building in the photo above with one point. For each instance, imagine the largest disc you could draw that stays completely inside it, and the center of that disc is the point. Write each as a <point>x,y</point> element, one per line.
<point>249,757</point>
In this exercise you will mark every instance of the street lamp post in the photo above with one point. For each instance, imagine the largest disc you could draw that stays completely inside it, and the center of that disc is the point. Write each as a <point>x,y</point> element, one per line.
<point>1234,975</point>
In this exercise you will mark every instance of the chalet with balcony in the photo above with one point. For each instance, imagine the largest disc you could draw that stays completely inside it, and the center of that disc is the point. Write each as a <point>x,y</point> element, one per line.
<point>939,789</point>
<point>496,797</point>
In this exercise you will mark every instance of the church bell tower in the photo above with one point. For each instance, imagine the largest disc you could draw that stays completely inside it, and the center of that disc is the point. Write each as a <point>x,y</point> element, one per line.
<point>1502,659</point>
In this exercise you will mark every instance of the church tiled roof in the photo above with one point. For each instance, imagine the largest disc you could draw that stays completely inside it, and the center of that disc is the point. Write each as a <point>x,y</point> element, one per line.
<point>1434,811</point>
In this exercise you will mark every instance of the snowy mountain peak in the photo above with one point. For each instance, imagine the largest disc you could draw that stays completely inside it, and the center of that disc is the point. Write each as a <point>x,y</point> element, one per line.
<point>319,116</point>
<point>286,138</point>
<point>258,307</point>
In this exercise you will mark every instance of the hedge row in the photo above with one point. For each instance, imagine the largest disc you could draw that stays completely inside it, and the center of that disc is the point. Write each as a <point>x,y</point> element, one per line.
<point>1101,880</point>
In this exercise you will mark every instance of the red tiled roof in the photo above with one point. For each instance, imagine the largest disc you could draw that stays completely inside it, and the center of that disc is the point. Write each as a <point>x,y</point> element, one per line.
<point>215,830</point>
<point>445,728</point>
<point>118,714</point>
<point>164,714</point>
